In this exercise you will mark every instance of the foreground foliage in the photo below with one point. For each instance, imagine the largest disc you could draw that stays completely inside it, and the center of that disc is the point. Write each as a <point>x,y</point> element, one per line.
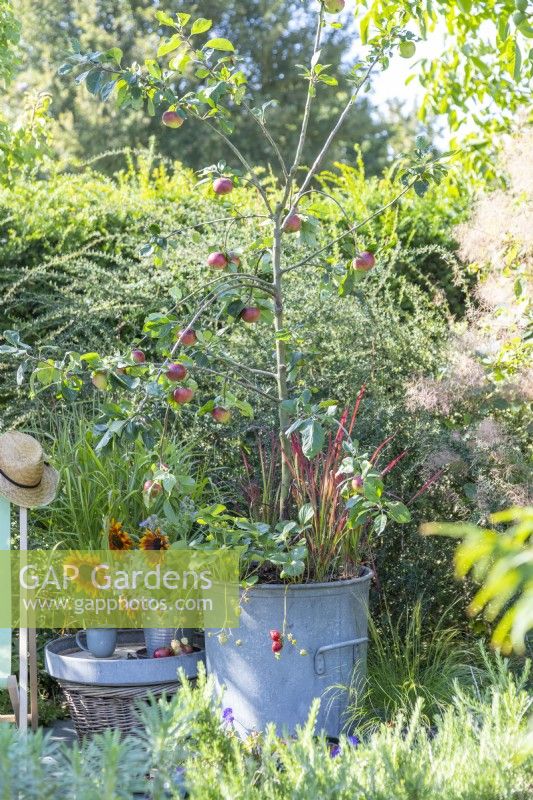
<point>502,561</point>
<point>480,749</point>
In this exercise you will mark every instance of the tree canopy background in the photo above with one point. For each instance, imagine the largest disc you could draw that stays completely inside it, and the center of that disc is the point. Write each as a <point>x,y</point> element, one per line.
<point>271,35</point>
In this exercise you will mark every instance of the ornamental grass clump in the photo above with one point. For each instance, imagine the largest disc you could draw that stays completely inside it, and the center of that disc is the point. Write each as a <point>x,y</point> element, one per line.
<point>340,498</point>
<point>337,504</point>
<point>413,664</point>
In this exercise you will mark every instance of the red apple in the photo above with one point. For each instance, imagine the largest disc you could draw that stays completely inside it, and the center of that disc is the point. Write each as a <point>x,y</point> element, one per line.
<point>153,488</point>
<point>223,186</point>
<point>333,6</point>
<point>217,260</point>
<point>293,223</point>
<point>250,314</point>
<point>275,635</point>
<point>221,415</point>
<point>364,261</point>
<point>234,258</point>
<point>163,652</point>
<point>187,336</point>
<point>183,395</point>
<point>357,484</point>
<point>138,356</point>
<point>172,119</point>
<point>176,372</point>
<point>99,380</point>
<point>277,646</point>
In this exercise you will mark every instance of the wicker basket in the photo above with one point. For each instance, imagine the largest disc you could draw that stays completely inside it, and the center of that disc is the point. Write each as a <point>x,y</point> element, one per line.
<point>96,708</point>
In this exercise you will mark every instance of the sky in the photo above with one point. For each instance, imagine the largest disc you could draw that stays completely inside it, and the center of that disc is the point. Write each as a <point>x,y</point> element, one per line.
<point>391,83</point>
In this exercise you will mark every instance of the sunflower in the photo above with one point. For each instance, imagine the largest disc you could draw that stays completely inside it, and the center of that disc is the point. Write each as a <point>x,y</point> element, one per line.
<point>118,538</point>
<point>154,540</point>
<point>85,563</point>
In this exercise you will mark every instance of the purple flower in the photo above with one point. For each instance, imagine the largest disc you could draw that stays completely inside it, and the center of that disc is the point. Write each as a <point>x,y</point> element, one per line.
<point>335,749</point>
<point>150,522</point>
<point>179,781</point>
<point>227,716</point>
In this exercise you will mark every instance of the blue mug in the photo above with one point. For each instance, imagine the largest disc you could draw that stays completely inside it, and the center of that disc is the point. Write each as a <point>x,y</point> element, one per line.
<point>100,642</point>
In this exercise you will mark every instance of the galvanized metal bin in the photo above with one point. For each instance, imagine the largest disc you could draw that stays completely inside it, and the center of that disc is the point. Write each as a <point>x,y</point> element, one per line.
<point>328,620</point>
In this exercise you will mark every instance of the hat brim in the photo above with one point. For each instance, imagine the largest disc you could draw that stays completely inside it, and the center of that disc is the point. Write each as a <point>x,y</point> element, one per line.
<point>42,495</point>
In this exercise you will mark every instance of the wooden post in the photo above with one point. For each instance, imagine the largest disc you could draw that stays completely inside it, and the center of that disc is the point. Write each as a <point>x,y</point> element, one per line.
<point>7,680</point>
<point>34,679</point>
<point>13,690</point>
<point>23,634</point>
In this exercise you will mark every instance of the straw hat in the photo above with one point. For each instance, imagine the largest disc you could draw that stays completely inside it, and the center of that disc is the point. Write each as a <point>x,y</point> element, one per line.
<point>26,479</point>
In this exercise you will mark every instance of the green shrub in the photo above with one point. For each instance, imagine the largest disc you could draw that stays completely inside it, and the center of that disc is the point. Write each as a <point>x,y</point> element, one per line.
<point>70,272</point>
<point>479,750</point>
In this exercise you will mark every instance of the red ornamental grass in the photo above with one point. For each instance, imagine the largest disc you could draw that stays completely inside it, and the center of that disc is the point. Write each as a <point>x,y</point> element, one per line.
<point>333,544</point>
<point>315,482</point>
<point>262,493</point>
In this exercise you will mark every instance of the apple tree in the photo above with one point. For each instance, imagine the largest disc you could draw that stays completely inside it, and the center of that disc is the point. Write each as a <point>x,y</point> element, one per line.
<point>197,78</point>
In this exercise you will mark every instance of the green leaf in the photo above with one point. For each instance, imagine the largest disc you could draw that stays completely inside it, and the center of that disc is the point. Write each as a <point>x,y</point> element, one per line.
<point>398,511</point>
<point>363,28</point>
<point>421,187</point>
<point>206,408</point>
<point>465,5</point>
<point>114,429</point>
<point>47,374</point>
<point>296,425</point>
<point>220,44</point>
<point>512,57</point>
<point>245,408</point>
<point>380,523</point>
<point>293,569</point>
<point>305,514</point>
<point>517,62</point>
<point>106,90</point>
<point>180,62</point>
<point>172,44</point>
<point>20,374</point>
<point>503,26</point>
<point>201,25</point>
<point>165,19</point>
<point>526,30</point>
<point>373,488</point>
<point>13,338</point>
<point>90,358</point>
<point>153,68</point>
<point>93,80</point>
<point>313,438</point>
<point>115,54</point>
<point>289,406</point>
<point>329,80</point>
